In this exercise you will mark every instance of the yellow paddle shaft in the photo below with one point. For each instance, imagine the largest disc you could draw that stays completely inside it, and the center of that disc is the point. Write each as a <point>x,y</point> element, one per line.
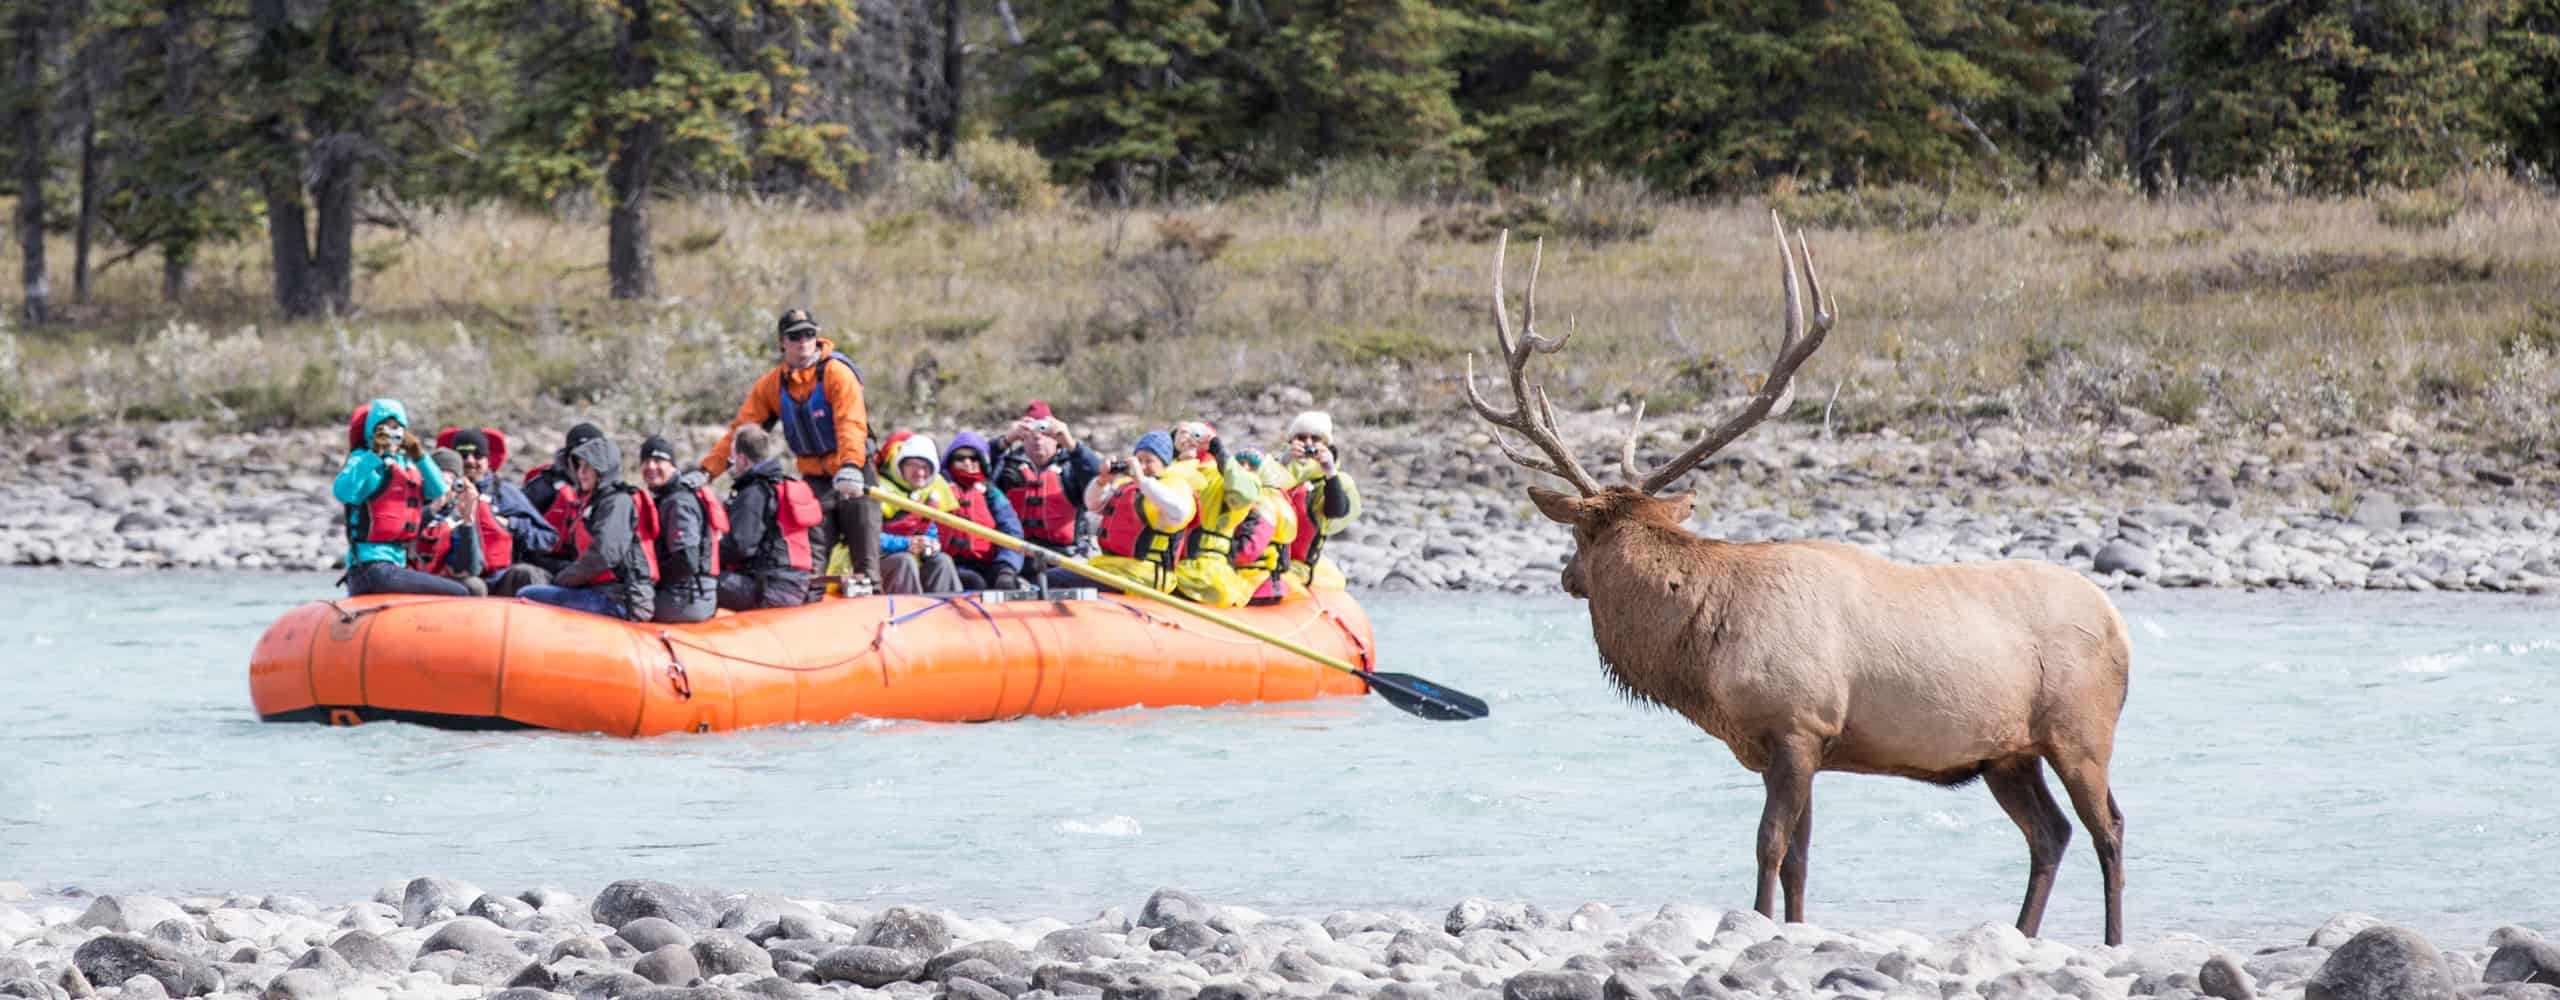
<point>1124,584</point>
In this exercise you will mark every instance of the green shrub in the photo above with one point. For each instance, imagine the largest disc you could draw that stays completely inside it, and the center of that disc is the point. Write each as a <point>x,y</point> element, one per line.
<point>1899,207</point>
<point>1373,344</point>
<point>2419,210</point>
<point>1009,175</point>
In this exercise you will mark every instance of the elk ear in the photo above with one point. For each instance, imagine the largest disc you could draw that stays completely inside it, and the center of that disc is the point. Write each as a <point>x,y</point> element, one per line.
<point>1561,508</point>
<point>1681,505</point>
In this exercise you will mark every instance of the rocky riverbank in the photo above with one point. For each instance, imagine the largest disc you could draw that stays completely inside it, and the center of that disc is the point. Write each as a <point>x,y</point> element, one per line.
<point>2133,507</point>
<point>438,939</point>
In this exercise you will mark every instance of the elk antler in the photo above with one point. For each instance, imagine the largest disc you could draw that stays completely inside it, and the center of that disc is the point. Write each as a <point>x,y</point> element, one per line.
<point>1530,412</point>
<point>1798,343</point>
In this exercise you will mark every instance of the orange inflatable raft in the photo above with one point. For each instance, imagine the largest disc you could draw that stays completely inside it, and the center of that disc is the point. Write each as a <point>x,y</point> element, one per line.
<point>485,663</point>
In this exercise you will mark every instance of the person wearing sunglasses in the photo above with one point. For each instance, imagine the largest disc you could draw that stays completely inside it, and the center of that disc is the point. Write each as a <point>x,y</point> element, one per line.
<point>815,393</point>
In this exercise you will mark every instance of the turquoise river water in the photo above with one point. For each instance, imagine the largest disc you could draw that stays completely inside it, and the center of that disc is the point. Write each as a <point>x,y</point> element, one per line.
<point>2283,757</point>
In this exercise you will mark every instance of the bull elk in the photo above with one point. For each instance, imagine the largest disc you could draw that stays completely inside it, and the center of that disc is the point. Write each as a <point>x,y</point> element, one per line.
<point>1814,656</point>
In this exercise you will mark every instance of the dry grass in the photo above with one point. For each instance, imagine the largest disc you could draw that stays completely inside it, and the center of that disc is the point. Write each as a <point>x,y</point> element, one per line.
<point>2227,309</point>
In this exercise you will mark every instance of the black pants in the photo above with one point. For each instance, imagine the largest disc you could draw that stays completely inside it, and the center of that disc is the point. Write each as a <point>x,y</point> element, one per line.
<point>858,523</point>
<point>978,574</point>
<point>389,578</point>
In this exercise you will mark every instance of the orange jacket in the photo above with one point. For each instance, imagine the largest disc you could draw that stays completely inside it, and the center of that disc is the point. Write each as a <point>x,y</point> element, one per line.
<point>764,406</point>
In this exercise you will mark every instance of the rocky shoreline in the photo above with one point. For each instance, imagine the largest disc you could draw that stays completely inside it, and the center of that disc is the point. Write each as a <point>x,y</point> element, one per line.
<point>2132,507</point>
<point>440,939</point>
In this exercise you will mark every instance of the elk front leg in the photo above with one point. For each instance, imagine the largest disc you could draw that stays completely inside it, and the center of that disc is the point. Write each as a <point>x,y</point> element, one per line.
<point>1786,819</point>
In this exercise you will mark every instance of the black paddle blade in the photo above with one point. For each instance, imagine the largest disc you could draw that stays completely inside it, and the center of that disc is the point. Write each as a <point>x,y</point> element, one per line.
<point>1424,698</point>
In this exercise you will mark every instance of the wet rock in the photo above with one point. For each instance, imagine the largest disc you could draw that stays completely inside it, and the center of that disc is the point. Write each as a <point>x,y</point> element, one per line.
<point>2382,963</point>
<point>504,911</point>
<point>668,965</point>
<point>326,961</point>
<point>2127,558</point>
<point>1185,937</point>
<point>1000,956</point>
<point>722,952</point>
<point>368,952</point>
<point>132,914</point>
<point>1168,906</point>
<point>115,958</point>
<point>631,899</point>
<point>649,934</point>
<point>1552,986</point>
<point>470,935</point>
<point>1075,944</point>
<point>300,984</point>
<point>2224,978</point>
<point>870,966</point>
<point>907,929</point>
<point>2524,962</point>
<point>427,900</point>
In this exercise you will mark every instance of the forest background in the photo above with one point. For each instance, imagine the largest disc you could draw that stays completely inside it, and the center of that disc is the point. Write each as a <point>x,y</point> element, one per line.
<point>2229,214</point>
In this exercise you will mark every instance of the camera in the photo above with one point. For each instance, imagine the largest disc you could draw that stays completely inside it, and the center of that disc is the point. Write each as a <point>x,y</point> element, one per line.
<point>1120,465</point>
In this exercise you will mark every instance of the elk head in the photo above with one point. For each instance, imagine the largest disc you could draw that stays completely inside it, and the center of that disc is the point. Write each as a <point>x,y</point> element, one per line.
<point>1594,512</point>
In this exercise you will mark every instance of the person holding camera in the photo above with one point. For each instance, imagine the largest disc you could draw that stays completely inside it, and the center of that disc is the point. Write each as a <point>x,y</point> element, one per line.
<point>386,485</point>
<point>912,558</point>
<point>1147,510</point>
<point>815,393</point>
<point>1323,496</point>
<point>1207,572</point>
<point>462,536</point>
<point>1044,471</point>
<point>983,565</point>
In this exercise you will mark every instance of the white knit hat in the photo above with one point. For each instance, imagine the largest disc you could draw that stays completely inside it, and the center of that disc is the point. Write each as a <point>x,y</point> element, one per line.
<point>1316,422</point>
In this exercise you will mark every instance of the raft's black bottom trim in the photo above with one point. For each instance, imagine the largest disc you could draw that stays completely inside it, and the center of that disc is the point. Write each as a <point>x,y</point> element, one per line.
<point>348,715</point>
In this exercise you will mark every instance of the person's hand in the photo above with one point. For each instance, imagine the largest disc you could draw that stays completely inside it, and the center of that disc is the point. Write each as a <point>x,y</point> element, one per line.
<point>1323,454</point>
<point>849,484</point>
<point>467,495</point>
<point>1058,432</point>
<point>926,547</point>
<point>414,448</point>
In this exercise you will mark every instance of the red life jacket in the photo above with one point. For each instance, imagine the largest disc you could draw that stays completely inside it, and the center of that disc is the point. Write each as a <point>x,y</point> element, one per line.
<point>562,515</point>
<point>1253,542</point>
<point>644,523</point>
<point>1047,515</point>
<point>394,512</point>
<point>974,508</point>
<point>1310,540</point>
<point>715,526</point>
<point>497,545</point>
<point>795,511</point>
<point>1125,531</point>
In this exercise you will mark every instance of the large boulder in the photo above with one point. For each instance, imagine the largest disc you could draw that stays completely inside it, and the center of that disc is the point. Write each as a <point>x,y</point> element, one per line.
<point>2524,962</point>
<point>668,965</point>
<point>722,953</point>
<point>1169,906</point>
<point>427,900</point>
<point>917,932</point>
<point>129,914</point>
<point>2382,963</point>
<point>368,952</point>
<point>632,899</point>
<point>869,966</point>
<point>115,958</point>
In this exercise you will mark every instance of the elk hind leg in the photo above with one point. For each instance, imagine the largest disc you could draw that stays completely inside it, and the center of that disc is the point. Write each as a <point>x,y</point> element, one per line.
<point>2084,777</point>
<point>1785,823</point>
<point>2019,786</point>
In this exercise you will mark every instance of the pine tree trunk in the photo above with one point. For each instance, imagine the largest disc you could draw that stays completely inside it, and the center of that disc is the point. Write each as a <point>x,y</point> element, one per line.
<point>88,223</point>
<point>177,253</point>
<point>27,80</point>
<point>334,251</point>
<point>297,289</point>
<point>173,275</point>
<point>947,138</point>
<point>627,259</point>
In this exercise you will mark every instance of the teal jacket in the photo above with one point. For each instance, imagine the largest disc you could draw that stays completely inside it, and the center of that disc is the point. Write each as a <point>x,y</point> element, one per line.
<point>363,475</point>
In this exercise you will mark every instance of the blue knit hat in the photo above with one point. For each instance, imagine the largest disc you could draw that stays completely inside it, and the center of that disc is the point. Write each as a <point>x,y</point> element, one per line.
<point>1157,443</point>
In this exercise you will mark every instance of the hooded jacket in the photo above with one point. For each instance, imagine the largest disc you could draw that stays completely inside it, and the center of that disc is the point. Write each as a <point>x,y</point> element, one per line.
<point>613,523</point>
<point>763,407</point>
<point>686,592</point>
<point>897,528</point>
<point>363,475</point>
<point>999,508</point>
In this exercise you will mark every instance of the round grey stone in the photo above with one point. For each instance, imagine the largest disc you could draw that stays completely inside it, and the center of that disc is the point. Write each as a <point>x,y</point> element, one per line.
<point>2127,558</point>
<point>970,989</point>
<point>300,984</point>
<point>916,932</point>
<point>1185,937</point>
<point>368,952</point>
<point>1552,986</point>
<point>469,935</point>
<point>580,946</point>
<point>142,987</point>
<point>648,934</point>
<point>2524,961</point>
<point>998,955</point>
<point>427,900</point>
<point>668,965</point>
<point>326,961</point>
<point>2382,963</point>
<point>115,958</point>
<point>869,966</point>
<point>1167,906</point>
<point>631,899</point>
<point>1075,944</point>
<point>2222,977</point>
<point>723,952</point>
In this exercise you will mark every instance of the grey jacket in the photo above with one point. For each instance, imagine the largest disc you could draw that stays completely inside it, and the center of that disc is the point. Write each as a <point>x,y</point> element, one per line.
<point>687,592</point>
<point>611,517</point>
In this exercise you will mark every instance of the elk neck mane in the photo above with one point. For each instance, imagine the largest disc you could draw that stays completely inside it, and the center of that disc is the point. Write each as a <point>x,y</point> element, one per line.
<point>1659,598</point>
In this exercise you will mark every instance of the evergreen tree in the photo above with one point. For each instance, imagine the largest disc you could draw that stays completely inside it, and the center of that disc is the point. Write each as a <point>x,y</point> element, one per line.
<point>34,37</point>
<point>619,93</point>
<point>1118,93</point>
<point>2525,55</point>
<point>2394,91</point>
<point>166,181</point>
<point>1312,81</point>
<point>1523,72</point>
<point>1720,96</point>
